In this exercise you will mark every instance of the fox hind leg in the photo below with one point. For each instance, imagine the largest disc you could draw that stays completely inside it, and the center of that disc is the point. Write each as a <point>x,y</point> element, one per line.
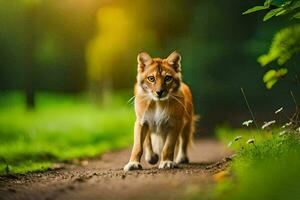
<point>151,157</point>
<point>184,139</point>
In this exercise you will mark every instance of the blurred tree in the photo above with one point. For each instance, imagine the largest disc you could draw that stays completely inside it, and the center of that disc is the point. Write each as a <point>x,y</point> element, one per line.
<point>111,54</point>
<point>31,7</point>
<point>61,31</point>
<point>12,23</point>
<point>124,29</point>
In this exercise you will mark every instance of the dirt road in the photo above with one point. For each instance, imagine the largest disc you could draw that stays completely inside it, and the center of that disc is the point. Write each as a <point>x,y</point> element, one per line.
<point>103,178</point>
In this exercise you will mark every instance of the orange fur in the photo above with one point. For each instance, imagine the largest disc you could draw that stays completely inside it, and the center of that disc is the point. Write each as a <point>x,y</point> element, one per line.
<point>164,110</point>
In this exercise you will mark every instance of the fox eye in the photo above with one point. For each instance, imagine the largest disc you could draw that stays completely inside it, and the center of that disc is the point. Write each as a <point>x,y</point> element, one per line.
<point>168,78</point>
<point>151,78</point>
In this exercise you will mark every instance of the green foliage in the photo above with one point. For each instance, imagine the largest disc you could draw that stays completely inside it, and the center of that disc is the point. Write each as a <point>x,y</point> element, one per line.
<point>255,8</point>
<point>285,45</point>
<point>277,8</point>
<point>61,128</point>
<point>272,76</point>
<point>286,42</point>
<point>297,15</point>
<point>269,167</point>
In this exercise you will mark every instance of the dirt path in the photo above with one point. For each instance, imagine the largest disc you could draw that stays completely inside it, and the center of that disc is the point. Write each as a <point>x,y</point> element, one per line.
<point>103,178</point>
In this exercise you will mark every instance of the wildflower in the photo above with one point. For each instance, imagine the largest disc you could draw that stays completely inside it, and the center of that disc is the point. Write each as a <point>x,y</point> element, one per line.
<point>237,138</point>
<point>278,110</point>
<point>282,133</point>
<point>246,123</point>
<point>286,125</point>
<point>250,141</point>
<point>298,129</point>
<point>266,124</point>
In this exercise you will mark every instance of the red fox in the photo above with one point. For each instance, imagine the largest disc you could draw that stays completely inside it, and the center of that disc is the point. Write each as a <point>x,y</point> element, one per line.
<point>164,110</point>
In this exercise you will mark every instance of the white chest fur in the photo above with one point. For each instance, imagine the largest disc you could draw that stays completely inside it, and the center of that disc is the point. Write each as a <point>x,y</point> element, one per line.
<point>156,118</point>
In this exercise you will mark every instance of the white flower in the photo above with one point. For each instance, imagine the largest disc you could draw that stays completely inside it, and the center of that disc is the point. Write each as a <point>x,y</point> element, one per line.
<point>237,138</point>
<point>288,124</point>
<point>282,133</point>
<point>279,110</point>
<point>266,124</point>
<point>250,141</point>
<point>246,123</point>
<point>298,129</point>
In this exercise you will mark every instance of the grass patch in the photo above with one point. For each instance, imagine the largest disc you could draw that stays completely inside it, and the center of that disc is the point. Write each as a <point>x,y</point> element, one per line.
<point>267,170</point>
<point>61,128</point>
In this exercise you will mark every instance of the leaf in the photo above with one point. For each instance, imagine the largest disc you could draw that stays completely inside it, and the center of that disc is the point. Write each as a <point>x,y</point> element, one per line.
<point>295,5</point>
<point>269,75</point>
<point>272,13</point>
<point>281,72</point>
<point>277,2</point>
<point>267,3</point>
<point>272,76</point>
<point>289,8</point>
<point>285,45</point>
<point>256,8</point>
<point>297,15</point>
<point>283,12</point>
<point>270,84</point>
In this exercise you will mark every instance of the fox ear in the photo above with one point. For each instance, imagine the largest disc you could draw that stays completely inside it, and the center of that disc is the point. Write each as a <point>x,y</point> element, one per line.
<point>174,60</point>
<point>143,59</point>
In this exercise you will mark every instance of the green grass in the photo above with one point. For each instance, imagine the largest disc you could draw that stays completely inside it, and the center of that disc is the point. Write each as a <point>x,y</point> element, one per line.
<point>267,170</point>
<point>61,128</point>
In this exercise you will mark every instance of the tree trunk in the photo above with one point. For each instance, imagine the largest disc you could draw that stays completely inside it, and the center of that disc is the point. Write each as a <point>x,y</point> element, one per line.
<point>29,63</point>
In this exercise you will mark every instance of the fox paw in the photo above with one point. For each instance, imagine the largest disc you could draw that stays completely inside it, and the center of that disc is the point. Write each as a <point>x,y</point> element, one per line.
<point>132,166</point>
<point>152,159</point>
<point>167,165</point>
<point>182,160</point>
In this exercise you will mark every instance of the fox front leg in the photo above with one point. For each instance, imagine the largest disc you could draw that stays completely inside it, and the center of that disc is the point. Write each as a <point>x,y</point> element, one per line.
<point>140,132</point>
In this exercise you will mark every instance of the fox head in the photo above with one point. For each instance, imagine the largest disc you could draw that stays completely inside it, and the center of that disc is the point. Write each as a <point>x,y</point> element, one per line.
<point>159,78</point>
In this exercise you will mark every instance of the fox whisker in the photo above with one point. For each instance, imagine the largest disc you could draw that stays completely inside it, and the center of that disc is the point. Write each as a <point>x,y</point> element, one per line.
<point>131,100</point>
<point>175,97</point>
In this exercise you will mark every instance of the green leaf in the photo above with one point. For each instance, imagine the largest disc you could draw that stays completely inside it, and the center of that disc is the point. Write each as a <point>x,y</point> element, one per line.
<point>283,12</point>
<point>272,13</point>
<point>272,76</point>
<point>267,3</point>
<point>281,72</point>
<point>256,8</point>
<point>297,15</point>
<point>285,45</point>
<point>270,84</point>
<point>295,5</point>
<point>269,75</point>
<point>277,2</point>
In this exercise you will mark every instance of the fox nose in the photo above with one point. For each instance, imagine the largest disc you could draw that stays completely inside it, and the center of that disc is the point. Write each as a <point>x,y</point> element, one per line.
<point>159,93</point>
